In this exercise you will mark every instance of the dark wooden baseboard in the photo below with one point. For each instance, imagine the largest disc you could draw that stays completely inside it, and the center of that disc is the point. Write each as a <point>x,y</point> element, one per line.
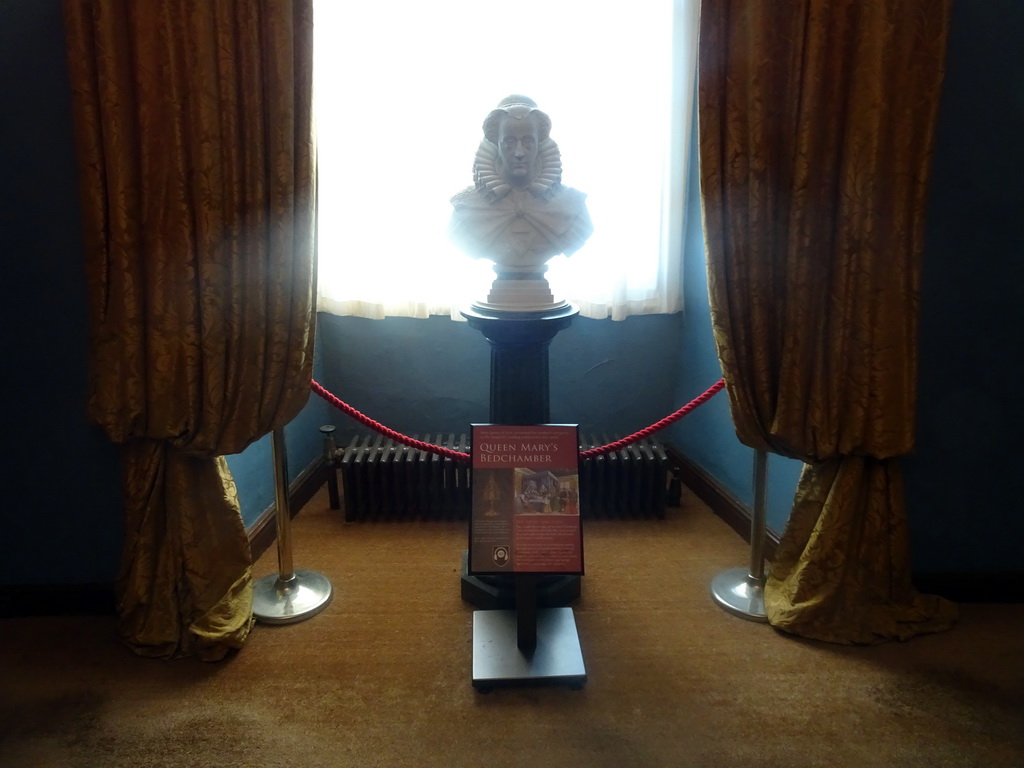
<point>958,587</point>
<point>23,600</point>
<point>734,512</point>
<point>263,532</point>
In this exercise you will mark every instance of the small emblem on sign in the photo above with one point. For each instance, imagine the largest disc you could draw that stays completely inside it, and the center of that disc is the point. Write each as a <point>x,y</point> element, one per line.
<point>501,556</point>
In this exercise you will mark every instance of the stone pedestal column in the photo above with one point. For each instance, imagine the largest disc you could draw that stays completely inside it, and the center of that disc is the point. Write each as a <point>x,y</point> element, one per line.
<point>519,361</point>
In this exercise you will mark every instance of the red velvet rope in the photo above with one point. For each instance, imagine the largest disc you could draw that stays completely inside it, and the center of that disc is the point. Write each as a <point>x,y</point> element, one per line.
<point>376,426</point>
<point>713,390</point>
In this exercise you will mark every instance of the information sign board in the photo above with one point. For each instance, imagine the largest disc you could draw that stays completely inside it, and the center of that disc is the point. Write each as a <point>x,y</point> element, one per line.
<point>526,500</point>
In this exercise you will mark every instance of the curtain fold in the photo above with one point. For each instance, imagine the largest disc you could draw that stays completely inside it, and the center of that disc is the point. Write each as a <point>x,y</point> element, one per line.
<point>816,122</point>
<point>841,573</point>
<point>197,170</point>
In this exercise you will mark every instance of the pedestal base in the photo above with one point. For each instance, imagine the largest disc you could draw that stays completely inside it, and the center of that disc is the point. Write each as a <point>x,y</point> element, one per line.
<point>497,660</point>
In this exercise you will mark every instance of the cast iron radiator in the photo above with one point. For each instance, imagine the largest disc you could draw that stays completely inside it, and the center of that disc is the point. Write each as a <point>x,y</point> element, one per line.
<point>385,480</point>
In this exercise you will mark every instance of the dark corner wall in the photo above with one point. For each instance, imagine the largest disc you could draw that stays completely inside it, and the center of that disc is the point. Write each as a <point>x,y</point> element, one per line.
<point>61,508</point>
<point>966,513</point>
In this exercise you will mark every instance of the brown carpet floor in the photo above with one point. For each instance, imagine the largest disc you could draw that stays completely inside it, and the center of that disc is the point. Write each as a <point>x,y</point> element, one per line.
<point>383,676</point>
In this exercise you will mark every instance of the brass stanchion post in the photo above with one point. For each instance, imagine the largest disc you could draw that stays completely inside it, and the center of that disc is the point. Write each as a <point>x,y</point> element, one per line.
<point>290,596</point>
<point>741,590</point>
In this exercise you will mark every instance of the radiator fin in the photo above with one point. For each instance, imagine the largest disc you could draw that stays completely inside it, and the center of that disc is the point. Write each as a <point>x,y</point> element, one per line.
<point>385,480</point>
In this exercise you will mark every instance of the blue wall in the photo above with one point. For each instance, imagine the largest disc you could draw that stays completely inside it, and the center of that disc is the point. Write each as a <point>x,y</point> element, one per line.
<point>429,376</point>
<point>432,375</point>
<point>253,468</point>
<point>707,435</point>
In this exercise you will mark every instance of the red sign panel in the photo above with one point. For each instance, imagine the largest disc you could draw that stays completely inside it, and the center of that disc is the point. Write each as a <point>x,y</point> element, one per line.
<point>526,502</point>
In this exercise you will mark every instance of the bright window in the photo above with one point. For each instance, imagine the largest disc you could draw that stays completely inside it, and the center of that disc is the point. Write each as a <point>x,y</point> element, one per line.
<point>402,89</point>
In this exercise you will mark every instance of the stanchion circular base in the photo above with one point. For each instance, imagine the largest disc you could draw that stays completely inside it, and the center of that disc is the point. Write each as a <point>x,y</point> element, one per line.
<point>276,601</point>
<point>739,594</point>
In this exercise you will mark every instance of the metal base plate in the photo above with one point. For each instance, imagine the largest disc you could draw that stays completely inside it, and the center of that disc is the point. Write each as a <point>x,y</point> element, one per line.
<point>275,601</point>
<point>497,660</point>
<point>735,591</point>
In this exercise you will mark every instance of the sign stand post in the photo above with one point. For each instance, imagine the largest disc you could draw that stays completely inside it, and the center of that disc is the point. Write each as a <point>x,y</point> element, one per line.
<point>526,612</point>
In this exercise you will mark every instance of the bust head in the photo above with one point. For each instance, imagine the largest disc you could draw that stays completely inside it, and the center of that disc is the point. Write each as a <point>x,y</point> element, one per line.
<point>518,139</point>
<point>518,130</point>
<point>517,151</point>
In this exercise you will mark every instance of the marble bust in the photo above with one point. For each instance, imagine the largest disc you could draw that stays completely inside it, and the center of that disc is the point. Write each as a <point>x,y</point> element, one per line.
<point>517,213</point>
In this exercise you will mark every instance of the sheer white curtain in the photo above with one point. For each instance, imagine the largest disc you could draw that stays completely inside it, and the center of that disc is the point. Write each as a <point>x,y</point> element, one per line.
<point>402,89</point>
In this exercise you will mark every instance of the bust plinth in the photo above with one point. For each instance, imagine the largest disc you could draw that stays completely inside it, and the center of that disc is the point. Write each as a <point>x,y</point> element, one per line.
<point>527,294</point>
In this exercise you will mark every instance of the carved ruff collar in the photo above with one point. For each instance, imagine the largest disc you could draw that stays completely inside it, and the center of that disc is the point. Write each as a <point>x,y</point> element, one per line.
<point>490,183</point>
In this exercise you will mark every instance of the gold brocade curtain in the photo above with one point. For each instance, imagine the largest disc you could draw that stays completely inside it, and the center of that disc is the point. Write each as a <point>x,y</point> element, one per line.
<point>193,125</point>
<point>816,124</point>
